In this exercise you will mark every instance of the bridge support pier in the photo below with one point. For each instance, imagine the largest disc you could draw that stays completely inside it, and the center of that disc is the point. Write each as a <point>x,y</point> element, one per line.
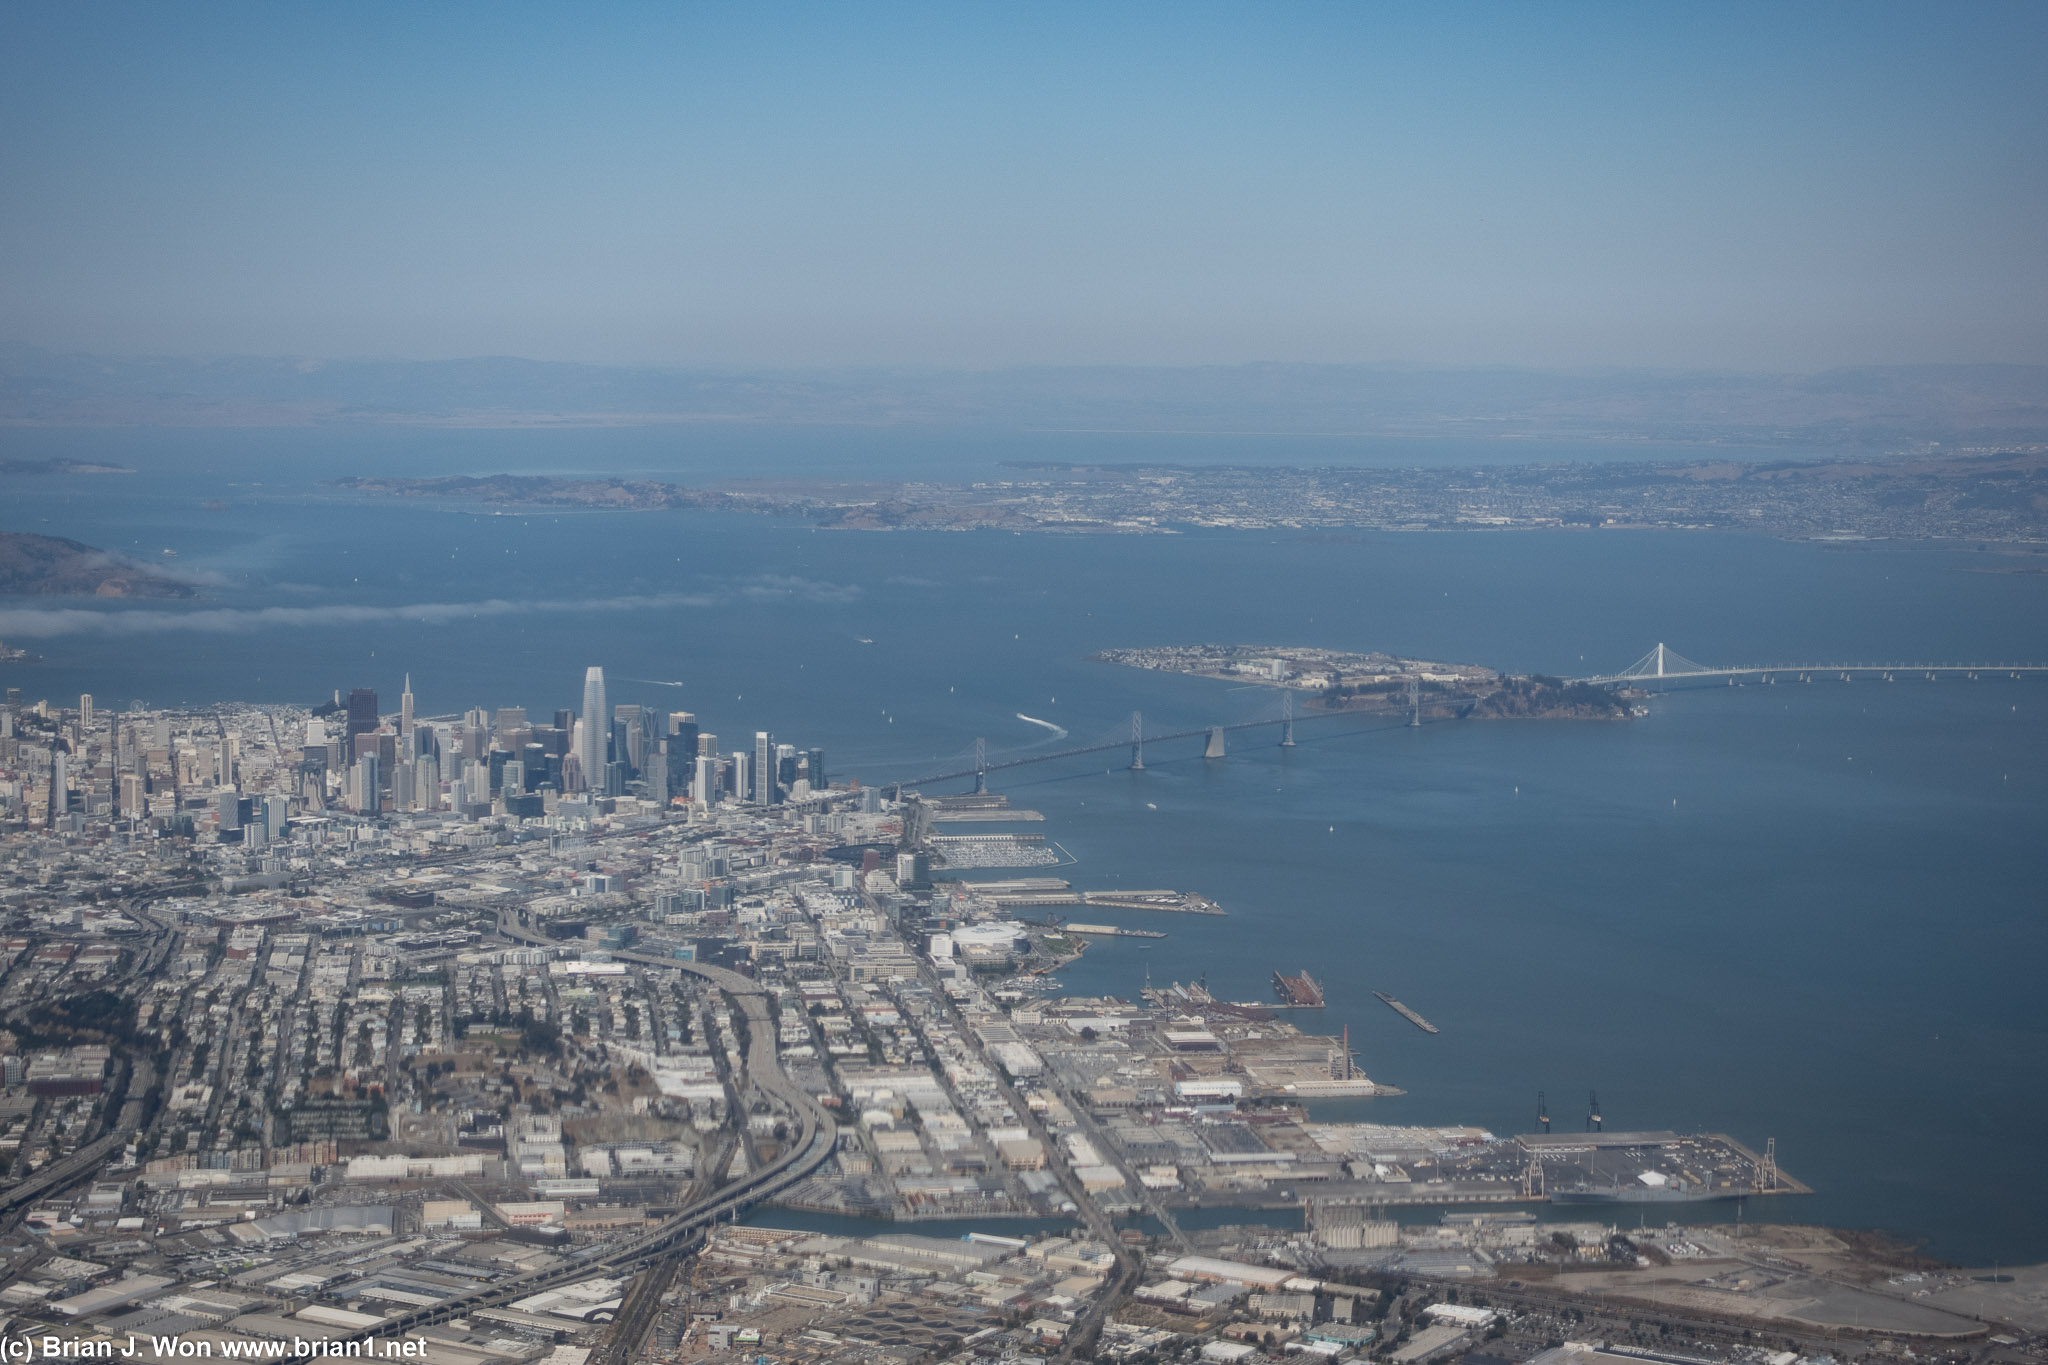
<point>1137,741</point>
<point>1215,745</point>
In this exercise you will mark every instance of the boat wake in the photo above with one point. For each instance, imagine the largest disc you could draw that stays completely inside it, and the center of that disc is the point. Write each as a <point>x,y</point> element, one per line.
<point>1058,731</point>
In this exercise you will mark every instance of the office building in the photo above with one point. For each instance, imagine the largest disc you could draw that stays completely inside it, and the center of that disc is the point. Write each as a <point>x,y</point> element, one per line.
<point>426,782</point>
<point>405,720</point>
<point>630,736</point>
<point>815,770</point>
<point>368,799</point>
<point>741,775</point>
<point>678,761</point>
<point>764,768</point>
<point>705,788</point>
<point>657,774</point>
<point>593,733</point>
<point>362,712</point>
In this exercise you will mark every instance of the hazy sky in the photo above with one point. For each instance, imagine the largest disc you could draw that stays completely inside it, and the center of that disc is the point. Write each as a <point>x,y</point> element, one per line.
<point>1723,184</point>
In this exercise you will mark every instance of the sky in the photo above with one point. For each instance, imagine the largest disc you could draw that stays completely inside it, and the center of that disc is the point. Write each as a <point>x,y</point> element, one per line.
<point>1722,185</point>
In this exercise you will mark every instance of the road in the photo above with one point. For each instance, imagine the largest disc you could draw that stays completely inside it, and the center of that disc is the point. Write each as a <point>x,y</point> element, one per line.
<point>812,1145</point>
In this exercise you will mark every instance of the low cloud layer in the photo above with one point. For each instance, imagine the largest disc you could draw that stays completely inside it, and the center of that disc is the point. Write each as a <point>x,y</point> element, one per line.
<point>39,623</point>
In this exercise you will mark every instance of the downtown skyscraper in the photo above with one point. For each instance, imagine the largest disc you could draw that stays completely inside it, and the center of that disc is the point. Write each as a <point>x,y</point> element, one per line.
<point>764,768</point>
<point>595,732</point>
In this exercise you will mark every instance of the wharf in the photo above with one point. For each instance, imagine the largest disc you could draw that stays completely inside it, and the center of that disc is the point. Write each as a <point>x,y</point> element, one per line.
<point>1014,886</point>
<point>1410,1015</point>
<point>1110,931</point>
<point>1171,902</point>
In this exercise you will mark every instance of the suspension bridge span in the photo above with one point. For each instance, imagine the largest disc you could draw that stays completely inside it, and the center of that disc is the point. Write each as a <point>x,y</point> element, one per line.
<point>1661,667</point>
<point>1666,665</point>
<point>979,763</point>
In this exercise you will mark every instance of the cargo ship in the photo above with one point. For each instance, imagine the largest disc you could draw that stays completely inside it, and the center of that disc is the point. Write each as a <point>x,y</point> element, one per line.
<point>1299,990</point>
<point>1410,1015</point>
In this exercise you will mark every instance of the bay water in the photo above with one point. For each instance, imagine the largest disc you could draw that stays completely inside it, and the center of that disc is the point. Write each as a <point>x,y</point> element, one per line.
<point>1812,913</point>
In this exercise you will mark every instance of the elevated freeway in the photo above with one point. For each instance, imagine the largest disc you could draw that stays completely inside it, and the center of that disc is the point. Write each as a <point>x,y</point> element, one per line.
<point>677,1236</point>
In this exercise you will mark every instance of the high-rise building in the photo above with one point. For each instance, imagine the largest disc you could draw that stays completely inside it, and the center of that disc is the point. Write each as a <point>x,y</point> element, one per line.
<point>707,744</point>
<point>405,720</point>
<point>630,735</point>
<point>764,768</point>
<point>678,760</point>
<point>816,770</point>
<point>134,796</point>
<point>785,769</point>
<point>595,729</point>
<point>362,712</point>
<point>402,796</point>
<point>85,711</point>
<point>368,795</point>
<point>742,775</point>
<point>657,775</point>
<point>705,788</point>
<point>426,782</point>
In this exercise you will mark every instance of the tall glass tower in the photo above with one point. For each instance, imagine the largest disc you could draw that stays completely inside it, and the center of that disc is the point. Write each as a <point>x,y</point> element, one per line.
<point>764,768</point>
<point>596,728</point>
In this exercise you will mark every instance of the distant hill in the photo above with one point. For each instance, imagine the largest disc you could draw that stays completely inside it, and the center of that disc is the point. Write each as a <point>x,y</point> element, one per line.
<point>1863,407</point>
<point>51,566</point>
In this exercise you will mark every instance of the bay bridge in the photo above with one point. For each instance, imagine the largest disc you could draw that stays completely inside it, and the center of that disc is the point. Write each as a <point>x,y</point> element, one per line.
<point>1660,668</point>
<point>1666,665</point>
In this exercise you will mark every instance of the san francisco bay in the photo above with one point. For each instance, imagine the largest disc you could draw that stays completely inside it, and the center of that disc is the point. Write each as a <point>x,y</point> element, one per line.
<point>1813,913</point>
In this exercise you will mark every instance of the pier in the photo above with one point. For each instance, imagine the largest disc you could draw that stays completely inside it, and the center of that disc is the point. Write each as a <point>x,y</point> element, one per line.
<point>1410,1015</point>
